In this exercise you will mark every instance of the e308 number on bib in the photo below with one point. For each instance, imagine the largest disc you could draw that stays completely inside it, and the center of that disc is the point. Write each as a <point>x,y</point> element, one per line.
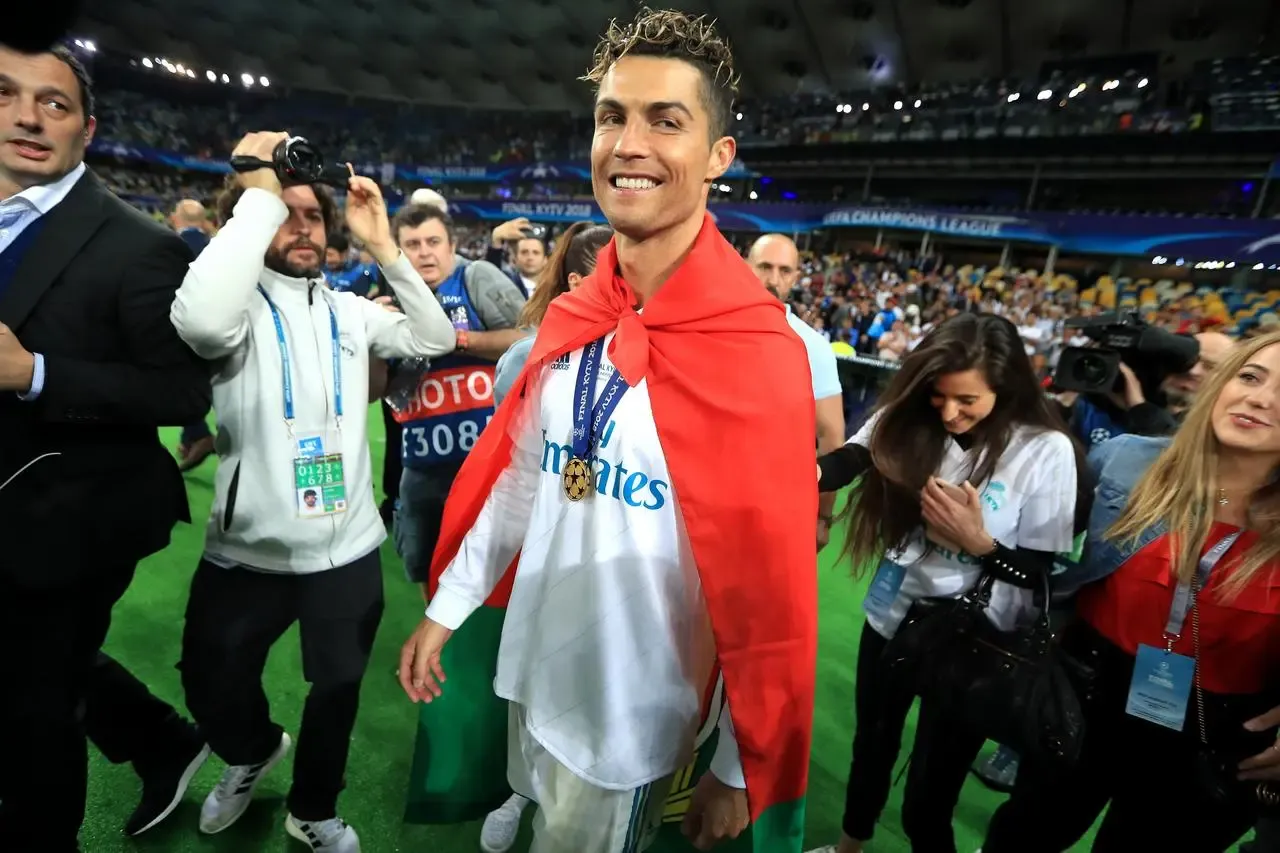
<point>448,438</point>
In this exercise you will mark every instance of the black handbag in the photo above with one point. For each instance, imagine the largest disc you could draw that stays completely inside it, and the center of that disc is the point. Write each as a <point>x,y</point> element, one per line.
<point>1215,769</point>
<point>1017,688</point>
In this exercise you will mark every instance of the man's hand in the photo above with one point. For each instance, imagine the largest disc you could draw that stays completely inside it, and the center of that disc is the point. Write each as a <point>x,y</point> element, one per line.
<point>387,303</point>
<point>716,813</point>
<point>367,220</point>
<point>1133,395</point>
<point>420,672</point>
<point>261,146</point>
<point>509,232</point>
<point>17,366</point>
<point>1265,766</point>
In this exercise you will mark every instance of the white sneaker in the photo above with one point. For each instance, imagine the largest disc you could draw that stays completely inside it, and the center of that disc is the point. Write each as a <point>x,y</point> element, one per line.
<point>231,797</point>
<point>502,825</point>
<point>324,836</point>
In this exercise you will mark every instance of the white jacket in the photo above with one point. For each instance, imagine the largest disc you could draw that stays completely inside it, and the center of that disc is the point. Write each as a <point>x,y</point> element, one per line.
<point>221,315</point>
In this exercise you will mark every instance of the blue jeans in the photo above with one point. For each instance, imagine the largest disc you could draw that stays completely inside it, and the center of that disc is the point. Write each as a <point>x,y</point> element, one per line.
<point>419,511</point>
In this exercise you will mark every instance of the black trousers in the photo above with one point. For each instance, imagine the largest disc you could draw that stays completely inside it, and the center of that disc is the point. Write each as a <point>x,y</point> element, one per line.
<point>391,460</point>
<point>940,758</point>
<point>234,617</point>
<point>57,687</point>
<point>1145,771</point>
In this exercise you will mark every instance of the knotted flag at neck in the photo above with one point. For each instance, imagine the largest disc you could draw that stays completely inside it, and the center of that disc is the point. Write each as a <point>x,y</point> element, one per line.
<point>729,386</point>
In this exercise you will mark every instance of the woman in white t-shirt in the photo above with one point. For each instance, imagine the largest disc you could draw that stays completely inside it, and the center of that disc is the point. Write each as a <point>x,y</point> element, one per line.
<point>965,408</point>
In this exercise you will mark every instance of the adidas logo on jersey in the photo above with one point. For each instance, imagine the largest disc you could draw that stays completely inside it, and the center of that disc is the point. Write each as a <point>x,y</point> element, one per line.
<point>561,362</point>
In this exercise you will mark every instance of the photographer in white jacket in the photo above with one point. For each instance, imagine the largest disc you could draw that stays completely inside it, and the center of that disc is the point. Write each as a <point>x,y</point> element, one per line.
<point>294,532</point>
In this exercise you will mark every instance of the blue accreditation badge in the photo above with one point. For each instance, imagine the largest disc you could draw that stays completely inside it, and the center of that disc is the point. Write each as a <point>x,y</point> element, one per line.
<point>884,589</point>
<point>1161,687</point>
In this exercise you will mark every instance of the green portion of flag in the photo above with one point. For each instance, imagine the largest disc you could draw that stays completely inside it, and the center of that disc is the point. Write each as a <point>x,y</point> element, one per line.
<point>460,760</point>
<point>779,830</point>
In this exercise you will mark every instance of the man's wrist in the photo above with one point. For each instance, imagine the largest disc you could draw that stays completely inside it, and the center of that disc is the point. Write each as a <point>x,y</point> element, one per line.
<point>385,254</point>
<point>24,374</point>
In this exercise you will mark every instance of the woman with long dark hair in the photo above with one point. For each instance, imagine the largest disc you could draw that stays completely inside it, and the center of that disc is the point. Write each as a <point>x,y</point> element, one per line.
<point>967,470</point>
<point>573,260</point>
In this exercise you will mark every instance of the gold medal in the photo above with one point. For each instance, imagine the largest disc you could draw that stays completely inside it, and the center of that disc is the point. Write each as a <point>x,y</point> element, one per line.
<point>577,479</point>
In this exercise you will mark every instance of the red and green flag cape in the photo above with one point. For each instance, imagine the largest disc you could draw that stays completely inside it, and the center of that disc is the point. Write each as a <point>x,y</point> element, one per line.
<point>732,401</point>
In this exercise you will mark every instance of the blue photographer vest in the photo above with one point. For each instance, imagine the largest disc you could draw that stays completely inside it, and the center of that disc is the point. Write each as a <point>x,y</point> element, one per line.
<point>454,399</point>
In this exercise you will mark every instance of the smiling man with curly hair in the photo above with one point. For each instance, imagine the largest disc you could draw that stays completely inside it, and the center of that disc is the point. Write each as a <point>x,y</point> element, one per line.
<point>652,468</point>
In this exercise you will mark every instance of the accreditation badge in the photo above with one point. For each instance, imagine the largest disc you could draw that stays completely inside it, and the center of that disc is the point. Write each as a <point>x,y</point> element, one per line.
<point>319,477</point>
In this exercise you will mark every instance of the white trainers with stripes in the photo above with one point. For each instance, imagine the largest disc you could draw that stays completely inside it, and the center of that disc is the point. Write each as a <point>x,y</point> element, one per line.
<point>231,797</point>
<point>324,836</point>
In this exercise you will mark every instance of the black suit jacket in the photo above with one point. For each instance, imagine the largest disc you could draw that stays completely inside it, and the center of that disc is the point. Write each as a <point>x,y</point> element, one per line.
<point>88,482</point>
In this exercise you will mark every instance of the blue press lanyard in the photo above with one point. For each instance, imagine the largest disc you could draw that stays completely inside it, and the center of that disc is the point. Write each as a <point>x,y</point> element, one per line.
<point>584,434</point>
<point>287,366</point>
<point>1183,594</point>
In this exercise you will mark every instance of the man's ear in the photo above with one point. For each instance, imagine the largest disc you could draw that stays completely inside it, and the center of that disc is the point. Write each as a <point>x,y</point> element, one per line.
<point>723,151</point>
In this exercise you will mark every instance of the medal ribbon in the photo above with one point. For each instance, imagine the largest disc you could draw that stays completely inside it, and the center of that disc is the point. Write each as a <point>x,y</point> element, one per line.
<point>586,434</point>
<point>287,366</point>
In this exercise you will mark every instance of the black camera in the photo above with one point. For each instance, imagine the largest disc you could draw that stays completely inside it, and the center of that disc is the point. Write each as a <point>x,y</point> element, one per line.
<point>1152,353</point>
<point>295,162</point>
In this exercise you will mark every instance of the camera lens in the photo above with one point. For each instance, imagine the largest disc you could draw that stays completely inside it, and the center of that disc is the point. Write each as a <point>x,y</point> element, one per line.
<point>299,161</point>
<point>1088,369</point>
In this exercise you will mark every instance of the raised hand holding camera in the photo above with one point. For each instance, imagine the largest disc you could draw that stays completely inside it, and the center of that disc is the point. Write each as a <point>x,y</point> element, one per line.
<point>252,160</point>
<point>367,219</point>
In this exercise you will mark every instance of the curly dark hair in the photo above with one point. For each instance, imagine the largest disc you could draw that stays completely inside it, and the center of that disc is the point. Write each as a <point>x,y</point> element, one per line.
<point>675,35</point>
<point>225,202</point>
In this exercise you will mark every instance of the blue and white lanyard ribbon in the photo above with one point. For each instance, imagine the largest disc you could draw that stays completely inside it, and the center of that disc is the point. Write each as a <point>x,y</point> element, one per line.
<point>287,365</point>
<point>586,434</point>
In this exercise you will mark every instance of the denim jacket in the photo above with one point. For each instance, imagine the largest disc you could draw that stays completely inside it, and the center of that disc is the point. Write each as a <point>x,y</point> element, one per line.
<point>1116,465</point>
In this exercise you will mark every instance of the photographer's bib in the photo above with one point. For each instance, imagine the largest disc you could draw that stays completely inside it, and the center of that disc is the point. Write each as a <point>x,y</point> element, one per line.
<point>317,472</point>
<point>452,400</point>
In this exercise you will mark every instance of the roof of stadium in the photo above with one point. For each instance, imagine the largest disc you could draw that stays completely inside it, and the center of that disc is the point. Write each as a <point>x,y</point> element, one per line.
<point>528,54</point>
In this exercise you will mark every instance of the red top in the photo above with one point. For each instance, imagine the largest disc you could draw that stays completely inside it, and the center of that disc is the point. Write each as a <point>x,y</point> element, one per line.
<point>1239,636</point>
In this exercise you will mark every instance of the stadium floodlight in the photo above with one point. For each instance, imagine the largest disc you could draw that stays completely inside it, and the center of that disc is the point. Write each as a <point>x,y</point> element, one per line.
<point>1257,266</point>
<point>1045,94</point>
<point>226,79</point>
<point>191,73</point>
<point>264,81</point>
<point>1142,84</point>
<point>210,76</point>
<point>1013,96</point>
<point>752,195</point>
<point>739,116</point>
<point>865,106</point>
<point>246,79</point>
<point>897,105</point>
<point>91,47</point>
<point>147,63</point>
<point>918,102</point>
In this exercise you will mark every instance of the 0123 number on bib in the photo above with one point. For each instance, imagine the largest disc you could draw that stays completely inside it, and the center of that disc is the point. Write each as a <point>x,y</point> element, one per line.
<point>319,479</point>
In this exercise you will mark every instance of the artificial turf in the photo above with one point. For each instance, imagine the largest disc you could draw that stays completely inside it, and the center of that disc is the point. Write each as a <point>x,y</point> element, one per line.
<point>146,634</point>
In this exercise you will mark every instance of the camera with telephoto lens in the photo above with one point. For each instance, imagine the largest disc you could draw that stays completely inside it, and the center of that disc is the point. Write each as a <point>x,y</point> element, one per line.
<point>295,162</point>
<point>1152,353</point>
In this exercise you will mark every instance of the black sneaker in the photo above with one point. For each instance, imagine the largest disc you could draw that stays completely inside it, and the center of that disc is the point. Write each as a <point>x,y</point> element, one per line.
<point>163,787</point>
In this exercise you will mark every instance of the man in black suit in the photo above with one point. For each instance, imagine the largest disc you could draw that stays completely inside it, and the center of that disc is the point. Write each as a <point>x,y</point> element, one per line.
<point>89,367</point>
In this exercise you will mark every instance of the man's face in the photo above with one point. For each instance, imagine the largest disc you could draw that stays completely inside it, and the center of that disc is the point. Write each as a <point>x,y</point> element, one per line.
<point>531,257</point>
<point>43,128</point>
<point>776,263</point>
<point>298,246</point>
<point>1214,346</point>
<point>429,249</point>
<point>652,156</point>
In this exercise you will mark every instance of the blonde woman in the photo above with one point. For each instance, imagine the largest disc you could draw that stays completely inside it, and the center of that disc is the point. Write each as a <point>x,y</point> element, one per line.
<point>1182,632</point>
